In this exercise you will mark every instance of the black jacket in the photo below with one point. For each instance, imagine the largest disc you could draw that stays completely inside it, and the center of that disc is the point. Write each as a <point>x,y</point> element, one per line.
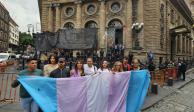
<point>58,73</point>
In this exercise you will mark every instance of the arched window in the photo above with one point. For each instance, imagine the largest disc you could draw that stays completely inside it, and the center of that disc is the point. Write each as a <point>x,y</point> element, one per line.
<point>69,11</point>
<point>115,7</point>
<point>115,23</point>
<point>91,9</point>
<point>69,25</point>
<point>91,24</point>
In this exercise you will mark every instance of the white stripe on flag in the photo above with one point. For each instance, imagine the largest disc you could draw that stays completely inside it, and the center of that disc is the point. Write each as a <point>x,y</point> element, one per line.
<point>98,91</point>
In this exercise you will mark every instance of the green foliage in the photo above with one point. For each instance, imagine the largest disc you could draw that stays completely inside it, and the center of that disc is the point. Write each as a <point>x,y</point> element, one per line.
<point>25,39</point>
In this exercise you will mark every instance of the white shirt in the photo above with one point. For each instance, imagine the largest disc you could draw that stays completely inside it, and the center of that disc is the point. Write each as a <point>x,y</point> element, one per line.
<point>90,70</point>
<point>104,70</point>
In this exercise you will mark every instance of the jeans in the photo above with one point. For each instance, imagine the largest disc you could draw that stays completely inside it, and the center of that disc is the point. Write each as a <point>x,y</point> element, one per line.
<point>29,105</point>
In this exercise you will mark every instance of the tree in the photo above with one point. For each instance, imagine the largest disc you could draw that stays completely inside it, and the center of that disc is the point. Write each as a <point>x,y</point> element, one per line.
<point>24,40</point>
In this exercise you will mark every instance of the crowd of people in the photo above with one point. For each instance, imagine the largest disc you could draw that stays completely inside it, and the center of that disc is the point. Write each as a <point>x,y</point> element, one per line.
<point>111,56</point>
<point>65,65</point>
<point>79,68</point>
<point>59,66</point>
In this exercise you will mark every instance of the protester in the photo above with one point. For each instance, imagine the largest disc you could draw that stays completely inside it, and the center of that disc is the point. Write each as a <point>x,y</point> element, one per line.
<point>104,67</point>
<point>151,66</point>
<point>170,64</point>
<point>78,70</point>
<point>136,64</point>
<point>78,55</point>
<point>27,103</point>
<point>162,66</point>
<point>117,67</point>
<point>126,66</point>
<point>89,68</point>
<point>179,70</point>
<point>51,66</point>
<point>183,69</point>
<point>44,58</point>
<point>101,54</point>
<point>61,71</point>
<point>130,58</point>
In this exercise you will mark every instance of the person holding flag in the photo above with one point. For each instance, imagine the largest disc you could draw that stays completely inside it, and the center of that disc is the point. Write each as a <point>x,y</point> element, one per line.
<point>27,103</point>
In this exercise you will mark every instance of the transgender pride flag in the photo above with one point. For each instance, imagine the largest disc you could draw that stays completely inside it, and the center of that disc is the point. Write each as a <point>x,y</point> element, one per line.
<point>122,92</point>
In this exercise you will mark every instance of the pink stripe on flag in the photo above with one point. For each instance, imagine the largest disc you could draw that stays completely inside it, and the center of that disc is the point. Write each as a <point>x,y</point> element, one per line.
<point>72,94</point>
<point>118,92</point>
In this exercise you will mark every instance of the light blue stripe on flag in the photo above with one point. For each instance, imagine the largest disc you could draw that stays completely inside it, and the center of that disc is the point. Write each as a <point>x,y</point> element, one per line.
<point>43,91</point>
<point>137,90</point>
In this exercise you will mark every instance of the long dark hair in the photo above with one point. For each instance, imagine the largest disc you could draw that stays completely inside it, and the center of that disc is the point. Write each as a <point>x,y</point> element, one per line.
<point>76,69</point>
<point>56,58</point>
<point>101,64</point>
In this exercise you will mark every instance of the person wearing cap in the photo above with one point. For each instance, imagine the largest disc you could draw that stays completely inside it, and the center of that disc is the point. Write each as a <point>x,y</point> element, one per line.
<point>61,71</point>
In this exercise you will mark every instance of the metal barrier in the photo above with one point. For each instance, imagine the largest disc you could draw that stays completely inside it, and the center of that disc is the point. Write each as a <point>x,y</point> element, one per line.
<point>7,93</point>
<point>158,77</point>
<point>2,68</point>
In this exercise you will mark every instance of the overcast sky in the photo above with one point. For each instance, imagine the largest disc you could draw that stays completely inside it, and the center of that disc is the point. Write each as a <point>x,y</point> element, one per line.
<point>24,12</point>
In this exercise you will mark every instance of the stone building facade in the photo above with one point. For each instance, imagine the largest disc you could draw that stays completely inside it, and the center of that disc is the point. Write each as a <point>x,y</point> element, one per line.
<point>13,35</point>
<point>161,26</point>
<point>4,28</point>
<point>190,4</point>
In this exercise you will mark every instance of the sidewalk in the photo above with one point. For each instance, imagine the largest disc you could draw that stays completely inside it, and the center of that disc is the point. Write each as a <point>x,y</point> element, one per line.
<point>11,107</point>
<point>165,91</point>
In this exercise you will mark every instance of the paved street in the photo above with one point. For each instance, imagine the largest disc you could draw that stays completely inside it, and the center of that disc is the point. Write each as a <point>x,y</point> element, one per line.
<point>12,107</point>
<point>180,101</point>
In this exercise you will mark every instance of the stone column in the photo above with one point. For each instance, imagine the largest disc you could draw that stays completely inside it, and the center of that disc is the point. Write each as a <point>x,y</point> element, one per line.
<point>128,38</point>
<point>186,38</point>
<point>50,18</point>
<point>191,46</point>
<point>188,46</point>
<point>58,15</point>
<point>181,44</point>
<point>134,9</point>
<point>102,24</point>
<point>176,45</point>
<point>78,14</point>
<point>140,19</point>
<point>187,43</point>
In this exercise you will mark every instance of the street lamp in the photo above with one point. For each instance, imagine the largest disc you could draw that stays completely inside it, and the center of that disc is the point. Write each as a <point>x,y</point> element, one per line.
<point>136,28</point>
